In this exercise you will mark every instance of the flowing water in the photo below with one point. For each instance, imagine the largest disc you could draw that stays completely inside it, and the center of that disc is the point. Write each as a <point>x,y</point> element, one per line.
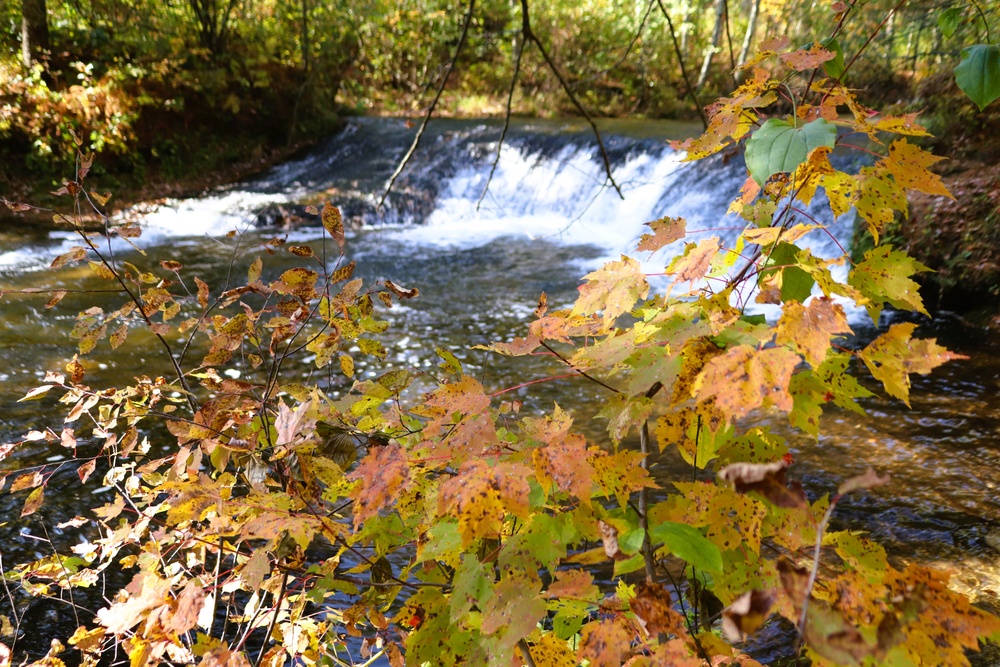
<point>481,262</point>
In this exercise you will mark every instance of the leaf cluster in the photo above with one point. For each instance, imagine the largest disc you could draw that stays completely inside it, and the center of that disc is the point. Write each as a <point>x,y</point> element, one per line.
<point>419,516</point>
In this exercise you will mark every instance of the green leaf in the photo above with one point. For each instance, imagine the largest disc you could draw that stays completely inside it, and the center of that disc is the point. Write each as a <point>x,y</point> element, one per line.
<point>779,147</point>
<point>978,75</point>
<point>796,284</point>
<point>883,276</point>
<point>834,68</point>
<point>473,586</point>
<point>948,21</point>
<point>689,544</point>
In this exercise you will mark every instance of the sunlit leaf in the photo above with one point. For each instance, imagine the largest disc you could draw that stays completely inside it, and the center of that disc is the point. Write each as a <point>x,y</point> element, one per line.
<point>779,147</point>
<point>895,354</point>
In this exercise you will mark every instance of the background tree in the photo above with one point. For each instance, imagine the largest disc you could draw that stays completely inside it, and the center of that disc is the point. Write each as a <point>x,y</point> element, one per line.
<point>34,30</point>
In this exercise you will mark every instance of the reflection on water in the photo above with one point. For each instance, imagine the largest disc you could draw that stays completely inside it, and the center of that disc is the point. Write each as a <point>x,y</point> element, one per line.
<point>479,284</point>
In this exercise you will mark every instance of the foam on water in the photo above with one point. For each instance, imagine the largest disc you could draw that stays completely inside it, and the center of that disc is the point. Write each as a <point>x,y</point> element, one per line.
<point>546,187</point>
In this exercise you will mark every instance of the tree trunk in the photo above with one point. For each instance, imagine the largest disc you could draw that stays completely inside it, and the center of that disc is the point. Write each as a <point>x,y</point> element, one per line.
<point>751,29</point>
<point>34,30</point>
<point>720,12</point>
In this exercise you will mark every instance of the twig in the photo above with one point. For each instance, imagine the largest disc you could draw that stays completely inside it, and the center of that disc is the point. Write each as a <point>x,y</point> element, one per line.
<point>813,573</point>
<point>506,120</point>
<point>274,618</point>
<point>647,547</point>
<point>584,374</point>
<point>526,653</point>
<point>680,60</point>
<point>430,109</point>
<point>529,35</point>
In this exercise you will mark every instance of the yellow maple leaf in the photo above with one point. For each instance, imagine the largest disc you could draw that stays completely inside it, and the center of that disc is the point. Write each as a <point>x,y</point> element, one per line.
<point>908,165</point>
<point>808,329</point>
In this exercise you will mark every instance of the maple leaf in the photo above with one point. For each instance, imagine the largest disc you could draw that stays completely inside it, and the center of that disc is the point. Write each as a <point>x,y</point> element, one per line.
<point>665,231</point>
<point>480,497</point>
<point>809,329</point>
<point>894,355</point>
<point>603,643</point>
<point>809,58</point>
<point>908,165</point>
<point>883,276</point>
<point>550,428</point>
<point>190,602</point>
<point>613,289</point>
<point>620,474</point>
<point>731,117</point>
<point>564,463</point>
<point>384,474</point>
<point>744,378</point>
<point>514,608</point>
<point>550,651</point>
<point>905,124</point>
<point>695,262</point>
<point>573,584</point>
<point>146,591</point>
<point>623,413</point>
<point>879,196</point>
<point>459,410</point>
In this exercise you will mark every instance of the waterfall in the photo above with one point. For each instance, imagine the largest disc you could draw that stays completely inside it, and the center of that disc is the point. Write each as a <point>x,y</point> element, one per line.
<point>549,184</point>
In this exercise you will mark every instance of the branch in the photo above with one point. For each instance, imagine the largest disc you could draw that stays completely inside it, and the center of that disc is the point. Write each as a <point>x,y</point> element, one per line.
<point>684,72</point>
<point>430,109</point>
<point>529,35</point>
<point>506,121</point>
<point>647,547</point>
<point>526,653</point>
<point>570,364</point>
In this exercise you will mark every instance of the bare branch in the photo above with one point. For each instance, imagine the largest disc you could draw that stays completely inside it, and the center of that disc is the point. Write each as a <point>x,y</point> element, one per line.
<point>506,120</point>
<point>430,109</point>
<point>530,36</point>
<point>680,60</point>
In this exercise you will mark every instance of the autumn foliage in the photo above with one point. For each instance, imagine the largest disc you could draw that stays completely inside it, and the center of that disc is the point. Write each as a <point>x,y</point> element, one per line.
<point>424,519</point>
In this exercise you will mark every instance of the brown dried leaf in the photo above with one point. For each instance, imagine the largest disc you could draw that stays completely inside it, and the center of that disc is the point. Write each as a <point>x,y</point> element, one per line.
<point>402,292</point>
<point>767,479</point>
<point>747,613</point>
<point>75,254</point>
<point>869,480</point>
<point>57,296</point>
<point>653,607</point>
<point>609,538</point>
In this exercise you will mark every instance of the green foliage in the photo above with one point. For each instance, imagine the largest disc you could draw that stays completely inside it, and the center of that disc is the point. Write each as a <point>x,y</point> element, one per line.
<point>978,75</point>
<point>455,530</point>
<point>780,147</point>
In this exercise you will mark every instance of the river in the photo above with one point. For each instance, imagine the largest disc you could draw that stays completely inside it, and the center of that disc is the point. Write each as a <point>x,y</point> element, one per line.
<point>480,263</point>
